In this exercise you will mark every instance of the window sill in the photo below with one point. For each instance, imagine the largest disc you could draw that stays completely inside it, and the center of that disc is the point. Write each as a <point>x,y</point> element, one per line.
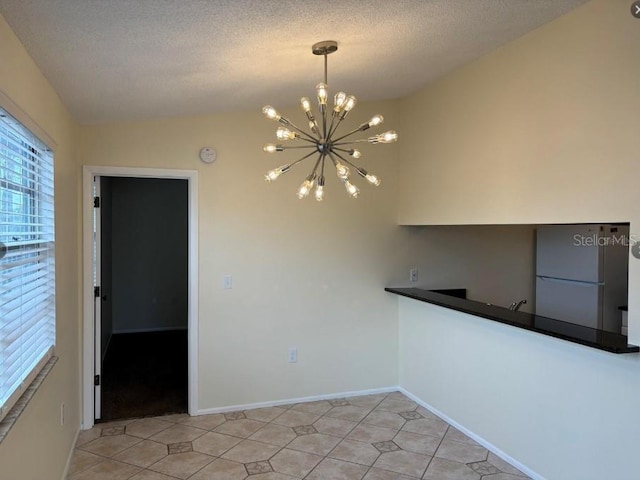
<point>7,423</point>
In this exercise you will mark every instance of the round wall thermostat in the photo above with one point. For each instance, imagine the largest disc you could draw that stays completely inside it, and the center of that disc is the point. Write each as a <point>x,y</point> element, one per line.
<point>207,155</point>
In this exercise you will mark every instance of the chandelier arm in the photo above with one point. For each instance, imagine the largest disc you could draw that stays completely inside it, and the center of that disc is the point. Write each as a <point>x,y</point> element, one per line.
<point>323,155</point>
<point>361,140</point>
<point>315,167</point>
<point>301,159</point>
<point>355,130</point>
<point>342,150</point>
<point>347,161</point>
<point>299,146</point>
<point>299,130</point>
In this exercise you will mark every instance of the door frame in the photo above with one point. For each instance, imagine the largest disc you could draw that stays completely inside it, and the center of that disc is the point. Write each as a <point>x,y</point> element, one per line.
<point>88,336</point>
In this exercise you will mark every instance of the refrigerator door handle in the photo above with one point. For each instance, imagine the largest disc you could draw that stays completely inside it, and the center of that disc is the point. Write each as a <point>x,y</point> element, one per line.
<point>568,280</point>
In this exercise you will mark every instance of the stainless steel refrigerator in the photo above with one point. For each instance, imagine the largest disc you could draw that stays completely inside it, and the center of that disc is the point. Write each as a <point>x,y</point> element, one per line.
<point>582,273</point>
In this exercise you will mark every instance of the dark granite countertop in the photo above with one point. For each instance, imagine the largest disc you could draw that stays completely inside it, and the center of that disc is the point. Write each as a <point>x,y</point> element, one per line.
<point>591,337</point>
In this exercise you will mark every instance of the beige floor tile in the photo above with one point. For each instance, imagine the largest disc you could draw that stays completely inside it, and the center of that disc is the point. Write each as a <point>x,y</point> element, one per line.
<point>416,443</point>
<point>502,465</point>
<point>264,414</point>
<point>503,476</point>
<point>149,475</point>
<point>294,463</point>
<point>331,469</point>
<point>426,426</point>
<point>406,463</point>
<point>248,451</point>
<point>397,405</point>
<point>205,422</point>
<point>215,444</point>
<point>334,426</point>
<point>274,435</point>
<point>461,452</point>
<point>378,474</point>
<point>367,401</point>
<point>457,436</point>
<point>427,414</point>
<point>146,427</point>
<point>221,469</point>
<point>242,428</point>
<point>442,469</point>
<point>317,443</point>
<point>355,452</point>
<point>319,408</point>
<point>181,465</point>
<point>174,418</point>
<point>383,418</point>
<point>178,433</point>
<point>352,413</point>
<point>83,460</point>
<point>107,470</point>
<point>292,418</point>
<point>143,454</point>
<point>110,446</point>
<point>371,434</point>
<point>86,436</point>
<point>398,396</point>
<point>272,476</point>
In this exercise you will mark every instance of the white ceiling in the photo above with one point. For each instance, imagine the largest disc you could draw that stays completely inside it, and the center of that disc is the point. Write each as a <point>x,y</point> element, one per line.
<point>113,60</point>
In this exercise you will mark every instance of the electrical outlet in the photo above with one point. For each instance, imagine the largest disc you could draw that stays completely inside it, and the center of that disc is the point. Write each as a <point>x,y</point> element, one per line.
<point>292,355</point>
<point>413,274</point>
<point>62,414</point>
<point>227,282</point>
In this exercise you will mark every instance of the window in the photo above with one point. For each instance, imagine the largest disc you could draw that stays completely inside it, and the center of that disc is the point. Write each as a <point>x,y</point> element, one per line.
<point>27,275</point>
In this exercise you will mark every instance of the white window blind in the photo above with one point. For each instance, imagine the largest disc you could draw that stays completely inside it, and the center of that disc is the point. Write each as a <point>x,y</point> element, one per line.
<point>27,275</point>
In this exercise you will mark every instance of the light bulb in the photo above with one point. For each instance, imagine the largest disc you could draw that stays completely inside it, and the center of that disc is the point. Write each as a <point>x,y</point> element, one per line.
<point>351,189</point>
<point>306,105</point>
<point>271,148</point>
<point>270,112</point>
<point>305,188</point>
<point>349,103</point>
<point>285,134</point>
<point>376,120</point>
<point>372,179</point>
<point>355,153</point>
<point>319,193</point>
<point>386,137</point>
<point>342,171</point>
<point>275,173</point>
<point>322,93</point>
<point>338,101</point>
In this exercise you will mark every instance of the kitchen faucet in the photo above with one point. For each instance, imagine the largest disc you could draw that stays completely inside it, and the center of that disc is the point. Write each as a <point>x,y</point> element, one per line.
<point>515,306</point>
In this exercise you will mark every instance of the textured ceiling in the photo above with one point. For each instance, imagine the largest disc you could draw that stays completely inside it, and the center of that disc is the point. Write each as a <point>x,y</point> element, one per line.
<point>113,60</point>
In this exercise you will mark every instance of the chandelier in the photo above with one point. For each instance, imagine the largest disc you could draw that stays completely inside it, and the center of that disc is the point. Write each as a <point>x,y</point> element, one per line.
<point>325,145</point>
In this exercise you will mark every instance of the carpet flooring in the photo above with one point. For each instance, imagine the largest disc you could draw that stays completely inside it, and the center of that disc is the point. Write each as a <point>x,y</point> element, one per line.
<point>145,374</point>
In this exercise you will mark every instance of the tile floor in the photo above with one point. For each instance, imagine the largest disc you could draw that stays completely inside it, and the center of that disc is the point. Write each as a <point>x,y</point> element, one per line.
<point>374,437</point>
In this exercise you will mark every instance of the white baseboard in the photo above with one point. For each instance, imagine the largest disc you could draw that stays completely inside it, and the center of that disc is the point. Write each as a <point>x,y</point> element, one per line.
<point>492,448</point>
<point>314,398</point>
<point>148,330</point>
<point>67,465</point>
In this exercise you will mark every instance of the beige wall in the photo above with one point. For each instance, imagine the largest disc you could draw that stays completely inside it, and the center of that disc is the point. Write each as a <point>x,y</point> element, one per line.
<point>37,447</point>
<point>305,274</point>
<point>542,130</point>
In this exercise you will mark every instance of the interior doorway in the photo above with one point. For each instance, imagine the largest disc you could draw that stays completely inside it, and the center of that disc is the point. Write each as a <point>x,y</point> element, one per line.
<point>143,294</point>
<point>140,248</point>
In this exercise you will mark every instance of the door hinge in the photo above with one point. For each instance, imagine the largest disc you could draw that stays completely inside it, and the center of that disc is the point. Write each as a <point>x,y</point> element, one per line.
<point>96,380</point>
<point>96,292</point>
<point>96,202</point>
